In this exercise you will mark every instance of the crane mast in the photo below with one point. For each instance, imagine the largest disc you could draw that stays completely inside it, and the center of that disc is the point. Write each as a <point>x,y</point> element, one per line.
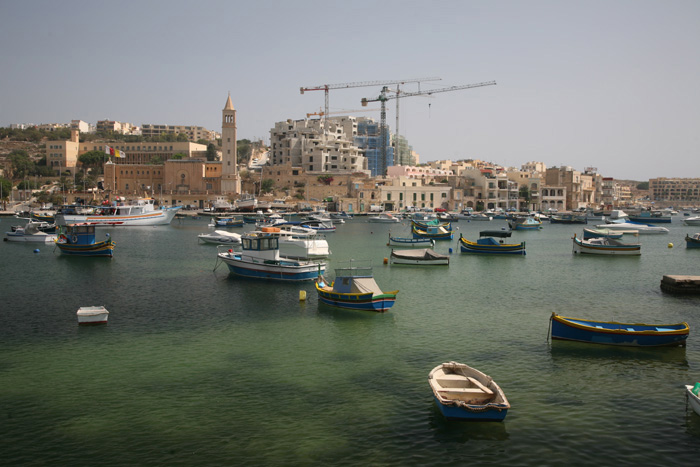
<point>384,97</point>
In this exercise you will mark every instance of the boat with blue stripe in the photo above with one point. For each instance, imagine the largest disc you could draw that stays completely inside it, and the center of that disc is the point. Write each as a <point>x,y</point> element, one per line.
<point>354,288</point>
<point>79,240</point>
<point>616,333</point>
<point>487,244</point>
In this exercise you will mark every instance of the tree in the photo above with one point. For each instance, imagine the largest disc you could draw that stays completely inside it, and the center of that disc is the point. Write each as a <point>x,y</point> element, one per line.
<point>643,186</point>
<point>93,160</point>
<point>155,160</point>
<point>179,156</point>
<point>244,149</point>
<point>267,185</point>
<point>5,191</point>
<point>212,153</point>
<point>524,193</point>
<point>20,164</point>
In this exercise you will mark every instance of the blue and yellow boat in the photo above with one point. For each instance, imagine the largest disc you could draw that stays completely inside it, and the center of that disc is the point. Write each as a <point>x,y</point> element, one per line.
<point>354,288</point>
<point>435,232</point>
<point>487,244</point>
<point>79,240</point>
<point>615,333</point>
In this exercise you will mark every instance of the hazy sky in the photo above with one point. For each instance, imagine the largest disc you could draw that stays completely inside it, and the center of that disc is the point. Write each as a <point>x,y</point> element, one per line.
<point>607,84</point>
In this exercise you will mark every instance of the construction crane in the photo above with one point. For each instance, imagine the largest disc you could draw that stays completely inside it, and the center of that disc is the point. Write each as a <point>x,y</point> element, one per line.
<point>328,87</point>
<point>321,113</point>
<point>383,97</point>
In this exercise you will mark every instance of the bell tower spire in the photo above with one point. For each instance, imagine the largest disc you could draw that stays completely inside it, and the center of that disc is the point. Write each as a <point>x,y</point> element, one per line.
<point>230,180</point>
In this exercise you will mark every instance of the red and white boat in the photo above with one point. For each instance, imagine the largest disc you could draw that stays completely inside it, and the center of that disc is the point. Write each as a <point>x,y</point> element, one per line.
<point>142,212</point>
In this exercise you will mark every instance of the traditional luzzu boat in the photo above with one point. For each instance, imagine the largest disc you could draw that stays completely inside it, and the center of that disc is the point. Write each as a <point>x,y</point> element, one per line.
<point>615,333</point>
<point>607,233</point>
<point>79,240</point>
<point>525,223</point>
<point>487,244</point>
<point>691,392</point>
<point>142,212</point>
<point>260,258</point>
<point>465,393</point>
<point>425,225</point>
<point>354,288</point>
<point>692,241</point>
<point>435,232</point>
<point>605,246</point>
<point>410,242</point>
<point>423,257</point>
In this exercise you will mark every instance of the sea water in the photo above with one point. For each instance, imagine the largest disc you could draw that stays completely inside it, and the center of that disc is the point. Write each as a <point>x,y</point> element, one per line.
<point>200,367</point>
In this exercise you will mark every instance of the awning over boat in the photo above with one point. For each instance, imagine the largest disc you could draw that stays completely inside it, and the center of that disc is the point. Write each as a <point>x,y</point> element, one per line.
<point>496,233</point>
<point>424,253</point>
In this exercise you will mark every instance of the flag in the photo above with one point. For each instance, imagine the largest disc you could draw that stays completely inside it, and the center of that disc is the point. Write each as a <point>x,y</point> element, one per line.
<point>107,150</point>
<point>121,154</point>
<point>111,151</point>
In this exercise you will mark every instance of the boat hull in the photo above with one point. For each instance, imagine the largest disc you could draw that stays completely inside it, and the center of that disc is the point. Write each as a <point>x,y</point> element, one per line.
<point>30,238</point>
<point>692,398</point>
<point>455,413</point>
<point>586,248</point>
<point>692,242</point>
<point>105,248</point>
<point>357,301</point>
<point>614,333</point>
<point>467,246</point>
<point>410,242</point>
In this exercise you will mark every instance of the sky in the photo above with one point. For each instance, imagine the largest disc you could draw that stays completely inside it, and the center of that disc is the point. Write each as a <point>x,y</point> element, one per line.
<point>610,84</point>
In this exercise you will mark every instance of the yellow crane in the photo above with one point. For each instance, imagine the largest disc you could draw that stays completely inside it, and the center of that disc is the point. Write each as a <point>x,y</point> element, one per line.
<point>328,87</point>
<point>383,97</point>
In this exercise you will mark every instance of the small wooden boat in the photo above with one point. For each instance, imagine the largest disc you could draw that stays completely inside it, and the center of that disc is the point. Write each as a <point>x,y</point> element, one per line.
<point>605,246</point>
<point>606,233</point>
<point>426,225</point>
<point>92,315</point>
<point>488,244</point>
<point>692,241</point>
<point>410,242</point>
<point>465,393</point>
<point>220,237</point>
<point>229,222</point>
<point>615,333</point>
<point>79,240</point>
<point>423,256</point>
<point>354,288</point>
<point>435,232</point>
<point>691,393</point>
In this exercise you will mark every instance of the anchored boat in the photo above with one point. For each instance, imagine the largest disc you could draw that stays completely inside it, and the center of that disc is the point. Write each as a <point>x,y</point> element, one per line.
<point>354,288</point>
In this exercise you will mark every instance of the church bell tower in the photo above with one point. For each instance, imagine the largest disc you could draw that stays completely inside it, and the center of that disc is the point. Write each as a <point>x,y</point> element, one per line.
<point>230,180</point>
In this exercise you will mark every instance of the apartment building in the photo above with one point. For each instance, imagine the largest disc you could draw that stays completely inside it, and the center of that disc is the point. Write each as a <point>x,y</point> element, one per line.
<point>193,133</point>
<point>675,190</point>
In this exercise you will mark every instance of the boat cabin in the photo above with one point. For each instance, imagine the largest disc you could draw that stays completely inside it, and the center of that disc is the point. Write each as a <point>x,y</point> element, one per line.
<point>79,234</point>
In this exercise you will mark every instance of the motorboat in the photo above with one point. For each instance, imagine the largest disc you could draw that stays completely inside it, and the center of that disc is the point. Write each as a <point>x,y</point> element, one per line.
<point>354,288</point>
<point>79,240</point>
<point>616,333</point>
<point>466,394</point>
<point>491,242</point>
<point>260,258</point>
<point>220,237</point>
<point>605,246</point>
<point>653,217</point>
<point>300,242</point>
<point>228,221</point>
<point>479,216</point>
<point>384,217</point>
<point>695,220</point>
<point>141,212</point>
<point>30,233</point>
<point>423,257</point>
<point>569,218</point>
<point>92,315</point>
<point>642,229</point>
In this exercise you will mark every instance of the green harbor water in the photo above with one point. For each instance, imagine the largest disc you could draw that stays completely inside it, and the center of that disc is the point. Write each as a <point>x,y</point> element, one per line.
<point>199,367</point>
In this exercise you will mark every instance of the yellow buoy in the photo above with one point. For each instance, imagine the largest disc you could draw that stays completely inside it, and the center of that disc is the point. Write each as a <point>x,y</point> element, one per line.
<point>302,295</point>
<point>670,245</point>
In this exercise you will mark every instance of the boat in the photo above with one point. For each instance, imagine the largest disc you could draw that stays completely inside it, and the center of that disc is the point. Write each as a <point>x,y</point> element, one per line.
<point>319,226</point>
<point>92,315</point>
<point>695,220</point>
<point>300,242</point>
<point>340,215</point>
<point>566,218</point>
<point>615,333</point>
<point>260,258</point>
<point>488,244</point>
<point>423,256</point>
<point>424,225</point>
<point>692,241</point>
<point>466,394</point>
<point>354,288</point>
<point>222,204</point>
<point>524,223</point>
<point>605,246</point>
<point>246,203</point>
<point>79,240</point>
<point>606,233</point>
<point>653,217</point>
<point>434,232</point>
<point>141,212</point>
<point>641,229</point>
<point>220,237</point>
<point>384,217</point>
<point>691,393</point>
<point>30,233</point>
<point>228,222</point>
<point>479,216</point>
<point>410,242</point>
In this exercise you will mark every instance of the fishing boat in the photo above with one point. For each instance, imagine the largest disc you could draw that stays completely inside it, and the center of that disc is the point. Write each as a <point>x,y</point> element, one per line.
<point>524,223</point>
<point>425,225</point>
<point>692,241</point>
<point>691,393</point>
<point>354,288</point>
<point>466,394</point>
<point>410,242</point>
<point>220,237</point>
<point>641,229</point>
<point>605,233</point>
<point>488,243</point>
<point>341,215</point>
<point>228,222</point>
<point>423,257</point>
<point>260,258</point>
<point>605,246</point>
<point>434,232</point>
<point>141,212</point>
<point>79,240</point>
<point>92,315</point>
<point>615,333</point>
<point>30,233</point>
<point>385,217</point>
<point>653,217</point>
